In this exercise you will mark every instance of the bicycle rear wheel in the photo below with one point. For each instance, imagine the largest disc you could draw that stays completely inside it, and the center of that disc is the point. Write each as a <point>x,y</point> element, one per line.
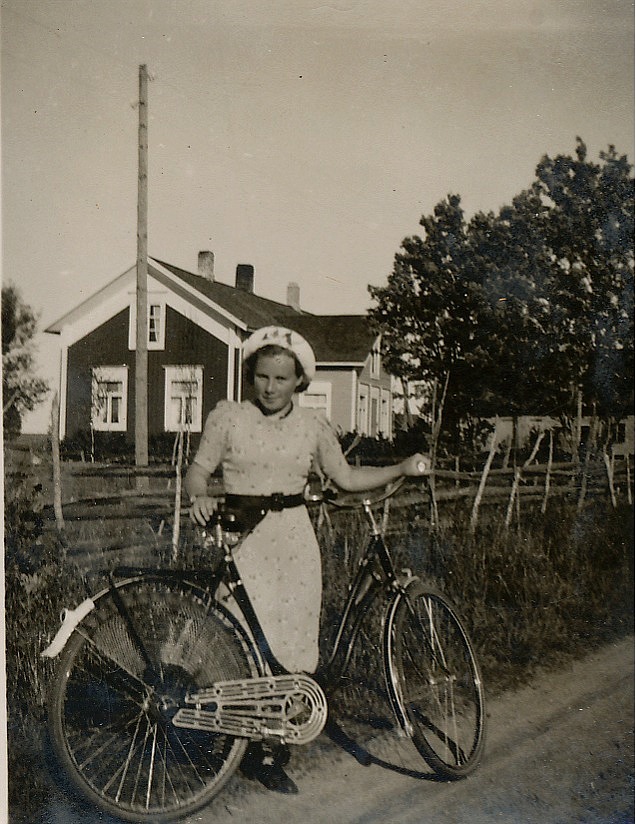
<point>435,676</point>
<point>110,705</point>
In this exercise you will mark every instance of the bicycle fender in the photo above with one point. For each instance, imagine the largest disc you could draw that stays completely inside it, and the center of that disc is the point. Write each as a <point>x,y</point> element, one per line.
<point>70,619</point>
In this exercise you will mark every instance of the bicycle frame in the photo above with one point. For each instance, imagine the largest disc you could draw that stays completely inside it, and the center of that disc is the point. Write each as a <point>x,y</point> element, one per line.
<point>375,574</point>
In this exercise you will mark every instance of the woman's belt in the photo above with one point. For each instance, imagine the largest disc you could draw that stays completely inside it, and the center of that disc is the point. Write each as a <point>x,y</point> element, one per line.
<point>275,503</point>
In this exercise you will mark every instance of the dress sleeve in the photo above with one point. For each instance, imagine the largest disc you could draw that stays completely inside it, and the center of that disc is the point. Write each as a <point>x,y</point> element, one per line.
<point>329,452</point>
<point>215,438</point>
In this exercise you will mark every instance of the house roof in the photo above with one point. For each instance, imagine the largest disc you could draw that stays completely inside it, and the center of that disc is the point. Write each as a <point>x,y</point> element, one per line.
<point>254,310</point>
<point>334,338</point>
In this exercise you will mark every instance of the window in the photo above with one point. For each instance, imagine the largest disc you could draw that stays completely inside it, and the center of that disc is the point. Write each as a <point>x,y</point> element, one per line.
<point>317,396</point>
<point>184,398</point>
<point>109,396</point>
<point>385,413</point>
<point>363,410</point>
<point>375,412</point>
<point>156,325</point>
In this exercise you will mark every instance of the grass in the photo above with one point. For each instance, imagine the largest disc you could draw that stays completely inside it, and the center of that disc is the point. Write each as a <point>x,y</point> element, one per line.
<point>534,596</point>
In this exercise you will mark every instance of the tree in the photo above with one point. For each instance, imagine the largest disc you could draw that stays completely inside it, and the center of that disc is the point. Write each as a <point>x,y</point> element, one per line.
<point>590,230</point>
<point>509,250</point>
<point>22,391</point>
<point>428,313</point>
<point>521,309</point>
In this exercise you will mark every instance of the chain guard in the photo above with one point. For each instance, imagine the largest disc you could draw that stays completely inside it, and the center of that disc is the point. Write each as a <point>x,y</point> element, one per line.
<point>291,708</point>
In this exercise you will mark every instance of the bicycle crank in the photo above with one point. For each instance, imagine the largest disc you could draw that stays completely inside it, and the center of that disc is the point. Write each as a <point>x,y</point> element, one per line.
<point>292,708</point>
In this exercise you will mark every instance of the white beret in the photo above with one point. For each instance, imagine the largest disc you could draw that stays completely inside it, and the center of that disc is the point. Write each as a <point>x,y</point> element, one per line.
<point>286,339</point>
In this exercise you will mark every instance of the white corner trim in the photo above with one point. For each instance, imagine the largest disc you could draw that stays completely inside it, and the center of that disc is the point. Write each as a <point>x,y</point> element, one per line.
<point>63,386</point>
<point>354,400</point>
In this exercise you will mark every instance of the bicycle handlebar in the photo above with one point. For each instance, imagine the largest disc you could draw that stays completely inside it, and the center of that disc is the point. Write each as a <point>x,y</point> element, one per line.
<point>388,492</point>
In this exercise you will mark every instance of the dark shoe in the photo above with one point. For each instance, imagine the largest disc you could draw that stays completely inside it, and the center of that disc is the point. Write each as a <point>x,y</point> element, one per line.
<point>274,778</point>
<point>264,763</point>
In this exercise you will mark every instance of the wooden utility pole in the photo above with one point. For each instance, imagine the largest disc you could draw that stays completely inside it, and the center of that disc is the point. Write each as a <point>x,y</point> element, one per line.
<point>141,354</point>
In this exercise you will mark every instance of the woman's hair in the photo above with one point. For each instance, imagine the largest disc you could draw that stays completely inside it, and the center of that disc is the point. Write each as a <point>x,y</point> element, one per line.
<point>272,349</point>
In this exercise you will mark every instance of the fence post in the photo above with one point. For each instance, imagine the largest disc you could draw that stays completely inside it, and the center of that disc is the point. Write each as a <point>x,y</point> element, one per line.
<point>517,478</point>
<point>576,436</point>
<point>546,492</point>
<point>437,426</point>
<point>610,478</point>
<point>177,499</point>
<point>586,464</point>
<point>482,485</point>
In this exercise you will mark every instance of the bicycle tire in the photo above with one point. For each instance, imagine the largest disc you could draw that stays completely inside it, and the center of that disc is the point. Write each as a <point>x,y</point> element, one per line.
<point>436,681</point>
<point>109,713</point>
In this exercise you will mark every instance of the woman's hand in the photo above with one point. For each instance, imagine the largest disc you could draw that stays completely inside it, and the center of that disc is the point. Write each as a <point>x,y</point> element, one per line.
<point>417,465</point>
<point>201,509</point>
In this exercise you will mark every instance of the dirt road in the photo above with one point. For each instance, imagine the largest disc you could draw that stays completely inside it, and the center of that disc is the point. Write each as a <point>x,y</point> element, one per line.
<point>558,751</point>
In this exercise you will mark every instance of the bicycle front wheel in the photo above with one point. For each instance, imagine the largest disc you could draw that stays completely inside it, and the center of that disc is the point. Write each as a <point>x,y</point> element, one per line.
<point>121,678</point>
<point>435,680</point>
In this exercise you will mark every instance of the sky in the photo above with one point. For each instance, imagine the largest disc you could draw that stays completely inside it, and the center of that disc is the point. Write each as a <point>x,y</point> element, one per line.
<point>305,138</point>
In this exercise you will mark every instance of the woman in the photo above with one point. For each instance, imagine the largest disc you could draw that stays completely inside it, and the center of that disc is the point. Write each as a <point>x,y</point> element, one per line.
<point>267,448</point>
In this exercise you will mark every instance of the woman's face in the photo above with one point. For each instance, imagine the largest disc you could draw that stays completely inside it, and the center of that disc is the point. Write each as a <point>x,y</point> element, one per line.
<point>275,381</point>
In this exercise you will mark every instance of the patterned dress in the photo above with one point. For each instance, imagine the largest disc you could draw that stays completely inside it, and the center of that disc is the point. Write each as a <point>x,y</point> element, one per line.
<point>279,562</point>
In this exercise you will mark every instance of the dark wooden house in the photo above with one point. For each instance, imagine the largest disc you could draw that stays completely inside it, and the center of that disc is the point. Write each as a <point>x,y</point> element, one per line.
<point>196,326</point>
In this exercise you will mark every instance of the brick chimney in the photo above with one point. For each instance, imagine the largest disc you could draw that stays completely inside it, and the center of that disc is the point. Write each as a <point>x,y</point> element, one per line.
<point>293,296</point>
<point>245,277</point>
<point>206,265</point>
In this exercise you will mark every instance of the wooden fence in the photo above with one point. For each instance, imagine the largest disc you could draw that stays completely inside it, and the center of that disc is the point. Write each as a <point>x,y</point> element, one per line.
<point>126,510</point>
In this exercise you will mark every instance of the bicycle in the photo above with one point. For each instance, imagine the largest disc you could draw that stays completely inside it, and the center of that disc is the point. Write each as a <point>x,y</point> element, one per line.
<point>160,688</point>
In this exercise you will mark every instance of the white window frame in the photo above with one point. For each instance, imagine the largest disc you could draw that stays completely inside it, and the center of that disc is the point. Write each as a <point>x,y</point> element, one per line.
<point>317,388</point>
<point>109,374</point>
<point>156,318</point>
<point>182,372</point>
<point>362,414</point>
<point>385,413</point>
<point>153,345</point>
<point>375,396</point>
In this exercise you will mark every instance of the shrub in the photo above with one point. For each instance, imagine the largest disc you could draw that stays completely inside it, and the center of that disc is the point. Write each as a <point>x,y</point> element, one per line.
<point>116,447</point>
<point>38,584</point>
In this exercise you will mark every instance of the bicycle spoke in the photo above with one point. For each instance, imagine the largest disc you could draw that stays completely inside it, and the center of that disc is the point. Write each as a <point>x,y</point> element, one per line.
<point>112,729</point>
<point>460,755</point>
<point>443,698</point>
<point>438,682</point>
